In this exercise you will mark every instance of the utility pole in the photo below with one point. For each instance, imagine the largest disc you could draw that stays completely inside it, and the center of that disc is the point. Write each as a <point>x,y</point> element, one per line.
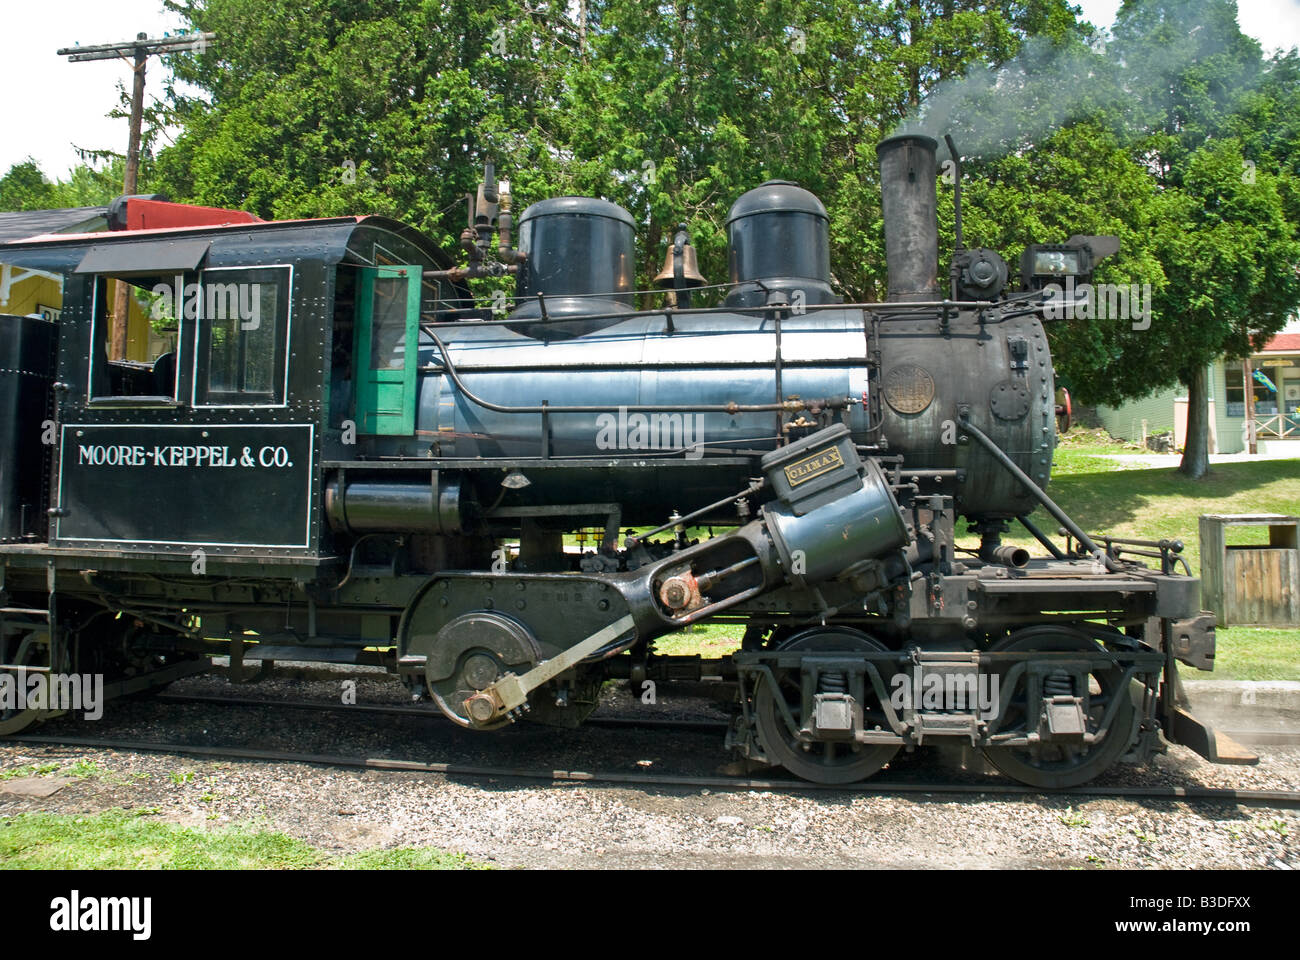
<point>136,52</point>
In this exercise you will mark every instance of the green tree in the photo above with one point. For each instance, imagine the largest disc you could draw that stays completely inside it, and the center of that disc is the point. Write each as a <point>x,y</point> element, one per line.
<point>1227,247</point>
<point>361,106</point>
<point>1267,122</point>
<point>1230,253</point>
<point>719,98</point>
<point>1134,136</point>
<point>675,112</point>
<point>91,185</point>
<point>25,187</point>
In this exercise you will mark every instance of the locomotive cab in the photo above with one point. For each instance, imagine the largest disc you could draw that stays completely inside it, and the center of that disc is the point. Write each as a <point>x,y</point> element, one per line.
<point>217,442</point>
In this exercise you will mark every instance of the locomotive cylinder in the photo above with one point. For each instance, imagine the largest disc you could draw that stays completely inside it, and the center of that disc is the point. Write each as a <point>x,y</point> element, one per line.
<point>832,508</point>
<point>909,203</point>
<point>862,525</point>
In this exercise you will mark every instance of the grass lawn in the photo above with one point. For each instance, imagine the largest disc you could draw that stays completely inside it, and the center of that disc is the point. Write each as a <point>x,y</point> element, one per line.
<point>705,639</point>
<point>122,839</point>
<point>1250,653</point>
<point>1145,503</point>
<point>1158,503</point>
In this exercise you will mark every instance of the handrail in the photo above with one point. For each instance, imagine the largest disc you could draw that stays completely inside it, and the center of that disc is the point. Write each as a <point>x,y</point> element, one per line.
<point>1277,425</point>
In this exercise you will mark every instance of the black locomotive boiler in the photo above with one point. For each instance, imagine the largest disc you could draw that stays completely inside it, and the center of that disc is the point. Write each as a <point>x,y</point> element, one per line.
<point>339,457</point>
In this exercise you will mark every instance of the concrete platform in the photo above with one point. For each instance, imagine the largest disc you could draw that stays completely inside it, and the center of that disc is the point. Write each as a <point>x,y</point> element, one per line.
<point>1252,711</point>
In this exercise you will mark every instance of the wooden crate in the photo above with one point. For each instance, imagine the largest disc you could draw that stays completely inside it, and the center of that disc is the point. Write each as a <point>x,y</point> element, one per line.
<point>1256,585</point>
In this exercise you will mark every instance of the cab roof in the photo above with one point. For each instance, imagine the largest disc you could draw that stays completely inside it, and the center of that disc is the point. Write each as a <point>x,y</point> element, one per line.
<point>329,240</point>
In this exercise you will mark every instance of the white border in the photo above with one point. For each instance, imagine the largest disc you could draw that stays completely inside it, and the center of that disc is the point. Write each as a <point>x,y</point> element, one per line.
<point>311,466</point>
<point>288,342</point>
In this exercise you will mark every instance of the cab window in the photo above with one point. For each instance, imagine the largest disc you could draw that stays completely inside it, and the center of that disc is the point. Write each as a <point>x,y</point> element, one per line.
<point>243,326</point>
<point>148,372</point>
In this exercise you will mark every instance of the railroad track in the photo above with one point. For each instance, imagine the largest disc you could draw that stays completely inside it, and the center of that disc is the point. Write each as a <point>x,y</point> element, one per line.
<point>431,713</point>
<point>1253,737</point>
<point>1252,798</point>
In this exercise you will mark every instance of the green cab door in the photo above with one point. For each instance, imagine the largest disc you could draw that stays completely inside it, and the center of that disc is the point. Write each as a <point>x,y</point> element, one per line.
<point>387,334</point>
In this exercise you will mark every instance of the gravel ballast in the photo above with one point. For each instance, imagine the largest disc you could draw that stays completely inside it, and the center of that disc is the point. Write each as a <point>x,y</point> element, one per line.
<point>518,823</point>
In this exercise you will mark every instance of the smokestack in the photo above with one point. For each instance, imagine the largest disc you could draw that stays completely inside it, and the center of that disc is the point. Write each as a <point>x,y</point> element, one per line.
<point>909,201</point>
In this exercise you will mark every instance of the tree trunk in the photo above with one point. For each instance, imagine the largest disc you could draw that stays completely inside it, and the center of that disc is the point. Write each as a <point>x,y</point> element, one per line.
<point>1196,449</point>
<point>913,72</point>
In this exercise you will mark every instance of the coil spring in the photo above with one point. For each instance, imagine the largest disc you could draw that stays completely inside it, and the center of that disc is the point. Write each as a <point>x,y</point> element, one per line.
<point>1058,683</point>
<point>832,683</point>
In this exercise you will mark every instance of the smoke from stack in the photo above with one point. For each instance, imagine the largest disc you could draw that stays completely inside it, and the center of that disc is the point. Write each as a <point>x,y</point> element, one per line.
<point>995,110</point>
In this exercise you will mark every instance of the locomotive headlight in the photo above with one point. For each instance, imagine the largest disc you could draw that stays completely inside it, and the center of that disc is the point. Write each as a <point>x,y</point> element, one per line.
<point>1057,263</point>
<point>1044,263</point>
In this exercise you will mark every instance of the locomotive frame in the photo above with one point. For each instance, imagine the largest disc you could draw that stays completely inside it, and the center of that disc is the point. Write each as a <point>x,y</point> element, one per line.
<point>354,510</point>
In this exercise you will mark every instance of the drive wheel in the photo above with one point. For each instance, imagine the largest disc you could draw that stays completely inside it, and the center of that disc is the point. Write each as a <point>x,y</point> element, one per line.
<point>475,670</point>
<point>1053,766</point>
<point>471,653</point>
<point>825,761</point>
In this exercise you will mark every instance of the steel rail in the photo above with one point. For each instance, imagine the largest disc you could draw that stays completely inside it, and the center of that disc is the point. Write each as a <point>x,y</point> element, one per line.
<point>1256,737</point>
<point>1256,798</point>
<point>431,713</point>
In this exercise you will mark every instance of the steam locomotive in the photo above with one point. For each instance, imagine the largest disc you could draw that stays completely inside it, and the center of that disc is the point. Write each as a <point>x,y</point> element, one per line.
<point>341,457</point>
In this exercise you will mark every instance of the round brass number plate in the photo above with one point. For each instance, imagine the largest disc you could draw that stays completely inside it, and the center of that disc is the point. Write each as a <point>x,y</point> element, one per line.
<point>909,388</point>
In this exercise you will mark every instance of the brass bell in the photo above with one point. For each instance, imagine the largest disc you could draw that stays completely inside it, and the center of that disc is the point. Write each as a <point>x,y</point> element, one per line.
<point>690,264</point>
